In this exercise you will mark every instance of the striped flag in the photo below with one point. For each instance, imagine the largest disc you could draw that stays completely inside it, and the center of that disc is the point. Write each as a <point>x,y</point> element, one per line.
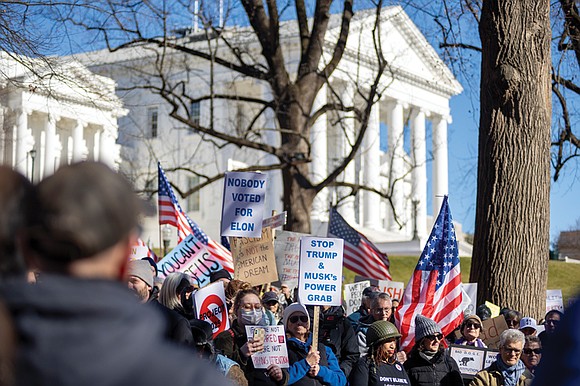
<point>434,290</point>
<point>170,213</point>
<point>360,255</point>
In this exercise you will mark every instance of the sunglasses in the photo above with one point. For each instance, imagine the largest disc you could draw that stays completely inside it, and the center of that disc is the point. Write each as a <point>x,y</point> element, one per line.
<point>472,325</point>
<point>295,318</point>
<point>436,336</point>
<point>552,321</point>
<point>529,351</point>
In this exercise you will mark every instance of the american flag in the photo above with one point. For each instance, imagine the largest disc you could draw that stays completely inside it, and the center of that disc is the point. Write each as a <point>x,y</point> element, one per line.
<point>434,290</point>
<point>360,255</point>
<point>170,212</point>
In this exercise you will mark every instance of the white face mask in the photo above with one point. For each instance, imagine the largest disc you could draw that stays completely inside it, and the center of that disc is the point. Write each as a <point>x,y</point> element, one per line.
<point>253,318</point>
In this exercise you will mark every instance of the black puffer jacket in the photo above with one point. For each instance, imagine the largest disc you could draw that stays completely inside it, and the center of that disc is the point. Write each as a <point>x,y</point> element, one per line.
<point>442,370</point>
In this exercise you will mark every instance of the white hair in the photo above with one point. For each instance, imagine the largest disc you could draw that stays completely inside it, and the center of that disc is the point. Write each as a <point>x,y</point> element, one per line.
<point>512,336</point>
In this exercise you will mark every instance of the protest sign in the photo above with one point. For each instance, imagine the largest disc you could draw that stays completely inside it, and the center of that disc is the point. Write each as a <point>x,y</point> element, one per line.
<point>211,307</point>
<point>493,308</point>
<point>394,289</point>
<point>243,204</point>
<point>320,278</point>
<point>275,221</point>
<point>353,295</point>
<point>491,329</point>
<point>554,300</point>
<point>471,359</point>
<point>275,351</point>
<point>191,257</point>
<point>254,260</point>
<point>138,252</point>
<point>471,290</point>
<point>287,250</point>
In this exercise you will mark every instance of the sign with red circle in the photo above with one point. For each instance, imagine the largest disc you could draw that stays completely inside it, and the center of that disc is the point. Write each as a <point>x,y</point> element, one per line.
<point>212,307</point>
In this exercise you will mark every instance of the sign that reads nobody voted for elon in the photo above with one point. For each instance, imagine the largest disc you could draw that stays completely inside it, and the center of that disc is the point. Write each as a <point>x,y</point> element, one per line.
<point>243,204</point>
<point>320,279</point>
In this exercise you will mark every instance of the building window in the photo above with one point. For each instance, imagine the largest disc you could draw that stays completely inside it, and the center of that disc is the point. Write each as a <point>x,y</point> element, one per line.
<point>153,122</point>
<point>195,112</point>
<point>193,199</point>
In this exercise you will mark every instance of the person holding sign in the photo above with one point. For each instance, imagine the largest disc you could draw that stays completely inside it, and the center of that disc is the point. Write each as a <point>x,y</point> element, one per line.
<point>308,366</point>
<point>234,343</point>
<point>381,361</point>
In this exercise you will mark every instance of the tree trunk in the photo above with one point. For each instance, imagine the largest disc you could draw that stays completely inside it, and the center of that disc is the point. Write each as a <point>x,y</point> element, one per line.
<point>297,199</point>
<point>511,244</point>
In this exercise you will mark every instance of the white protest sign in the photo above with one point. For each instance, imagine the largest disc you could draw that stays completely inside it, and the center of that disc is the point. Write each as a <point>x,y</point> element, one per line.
<point>191,257</point>
<point>287,250</point>
<point>554,300</point>
<point>211,307</point>
<point>320,278</point>
<point>471,290</point>
<point>243,204</point>
<point>138,252</point>
<point>469,359</point>
<point>353,295</point>
<point>394,289</point>
<point>275,351</point>
<point>275,221</point>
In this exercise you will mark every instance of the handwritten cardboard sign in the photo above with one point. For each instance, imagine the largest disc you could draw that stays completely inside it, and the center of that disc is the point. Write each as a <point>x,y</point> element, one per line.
<point>491,330</point>
<point>275,351</point>
<point>320,280</point>
<point>191,257</point>
<point>211,307</point>
<point>287,250</point>
<point>353,294</point>
<point>254,260</point>
<point>243,204</point>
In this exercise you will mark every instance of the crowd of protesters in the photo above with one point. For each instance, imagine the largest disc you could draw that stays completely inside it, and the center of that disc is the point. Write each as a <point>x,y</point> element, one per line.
<point>87,315</point>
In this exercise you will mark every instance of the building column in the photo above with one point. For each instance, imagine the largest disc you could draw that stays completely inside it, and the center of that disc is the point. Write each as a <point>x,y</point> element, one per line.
<point>275,187</point>
<point>372,154</point>
<point>419,173</point>
<point>79,144</point>
<point>50,145</point>
<point>22,141</point>
<point>346,138</point>
<point>440,166</point>
<point>396,153</point>
<point>319,156</point>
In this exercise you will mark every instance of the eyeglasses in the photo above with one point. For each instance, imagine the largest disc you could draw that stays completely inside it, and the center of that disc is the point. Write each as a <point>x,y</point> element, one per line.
<point>512,322</point>
<point>552,321</point>
<point>436,336</point>
<point>250,307</point>
<point>294,318</point>
<point>514,350</point>
<point>529,351</point>
<point>382,310</point>
<point>472,325</point>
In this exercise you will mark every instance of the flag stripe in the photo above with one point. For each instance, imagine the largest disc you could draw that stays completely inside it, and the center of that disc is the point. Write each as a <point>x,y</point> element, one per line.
<point>434,289</point>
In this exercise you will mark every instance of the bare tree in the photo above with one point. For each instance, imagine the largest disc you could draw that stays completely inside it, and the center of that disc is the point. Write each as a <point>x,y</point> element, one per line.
<point>150,28</point>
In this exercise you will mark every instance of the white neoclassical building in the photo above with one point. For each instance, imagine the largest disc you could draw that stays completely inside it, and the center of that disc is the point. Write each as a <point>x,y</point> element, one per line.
<point>54,112</point>
<point>406,135</point>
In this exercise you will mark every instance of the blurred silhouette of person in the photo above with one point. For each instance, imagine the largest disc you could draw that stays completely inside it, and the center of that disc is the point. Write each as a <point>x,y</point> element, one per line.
<point>80,324</point>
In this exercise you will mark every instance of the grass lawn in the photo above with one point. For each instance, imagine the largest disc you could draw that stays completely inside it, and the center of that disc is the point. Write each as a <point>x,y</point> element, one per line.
<point>564,276</point>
